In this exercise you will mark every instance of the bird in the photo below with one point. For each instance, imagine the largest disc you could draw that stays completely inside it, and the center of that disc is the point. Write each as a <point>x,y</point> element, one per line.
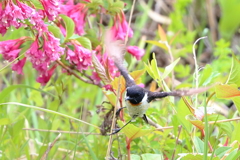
<point>137,99</point>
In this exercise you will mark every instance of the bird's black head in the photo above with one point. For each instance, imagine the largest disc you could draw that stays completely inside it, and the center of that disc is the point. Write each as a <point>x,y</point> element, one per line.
<point>135,94</point>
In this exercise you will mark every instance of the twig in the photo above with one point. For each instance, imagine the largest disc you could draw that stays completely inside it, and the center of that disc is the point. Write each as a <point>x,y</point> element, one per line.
<point>129,21</point>
<point>50,147</point>
<point>76,75</point>
<point>113,123</point>
<point>196,67</point>
<point>179,131</point>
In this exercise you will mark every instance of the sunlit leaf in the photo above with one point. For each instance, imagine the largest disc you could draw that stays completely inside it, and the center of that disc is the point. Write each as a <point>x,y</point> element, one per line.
<point>69,24</point>
<point>162,33</point>
<point>133,132</point>
<point>221,151</point>
<point>120,80</point>
<point>159,44</point>
<point>199,144</point>
<point>207,75</point>
<point>85,42</point>
<point>100,70</point>
<point>196,122</point>
<point>229,92</point>
<point>110,96</point>
<point>4,121</point>
<point>169,68</point>
<point>189,105</point>
<point>55,31</point>
<point>148,156</point>
<point>234,76</point>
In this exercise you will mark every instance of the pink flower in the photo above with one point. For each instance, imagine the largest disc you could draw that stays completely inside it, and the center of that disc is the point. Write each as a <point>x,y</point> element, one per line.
<point>78,14</point>
<point>34,17</point>
<point>120,28</point>
<point>44,78</point>
<point>18,67</point>
<point>51,8</point>
<point>41,57</point>
<point>136,51</point>
<point>11,15</point>
<point>81,57</point>
<point>11,48</point>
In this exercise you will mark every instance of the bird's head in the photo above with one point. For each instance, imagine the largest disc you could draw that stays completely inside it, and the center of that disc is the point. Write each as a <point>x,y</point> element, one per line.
<point>135,94</point>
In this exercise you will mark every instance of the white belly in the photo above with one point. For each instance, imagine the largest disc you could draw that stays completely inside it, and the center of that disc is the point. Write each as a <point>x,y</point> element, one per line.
<point>139,110</point>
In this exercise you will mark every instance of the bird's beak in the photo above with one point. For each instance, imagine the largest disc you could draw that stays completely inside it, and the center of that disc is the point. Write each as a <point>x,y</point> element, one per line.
<point>127,98</point>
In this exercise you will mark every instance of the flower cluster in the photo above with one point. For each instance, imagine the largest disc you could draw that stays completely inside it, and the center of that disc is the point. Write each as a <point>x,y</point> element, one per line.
<point>10,50</point>
<point>77,13</point>
<point>80,56</point>
<point>45,49</point>
<point>120,28</point>
<point>16,16</point>
<point>42,58</point>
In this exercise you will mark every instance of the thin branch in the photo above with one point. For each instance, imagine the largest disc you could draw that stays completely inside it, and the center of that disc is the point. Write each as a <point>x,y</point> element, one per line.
<point>179,131</point>
<point>50,147</point>
<point>113,123</point>
<point>129,21</point>
<point>196,67</point>
<point>69,70</point>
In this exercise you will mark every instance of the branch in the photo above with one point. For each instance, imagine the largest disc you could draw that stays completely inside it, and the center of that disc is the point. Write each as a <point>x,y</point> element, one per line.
<point>69,70</point>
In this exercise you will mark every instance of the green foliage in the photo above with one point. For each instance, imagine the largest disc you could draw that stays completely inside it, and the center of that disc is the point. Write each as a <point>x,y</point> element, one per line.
<point>76,109</point>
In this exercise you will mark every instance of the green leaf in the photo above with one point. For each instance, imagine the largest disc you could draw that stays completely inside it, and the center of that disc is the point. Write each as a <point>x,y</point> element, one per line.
<point>235,154</point>
<point>156,43</point>
<point>116,7</point>
<point>196,122</point>
<point>229,92</point>
<point>199,144</point>
<point>85,42</point>
<point>133,132</point>
<point>207,75</point>
<point>55,31</point>
<point>148,156</point>
<point>69,24</point>
<point>234,75</point>
<point>221,151</point>
<point>135,157</point>
<point>169,68</point>
<point>5,121</point>
<point>9,89</point>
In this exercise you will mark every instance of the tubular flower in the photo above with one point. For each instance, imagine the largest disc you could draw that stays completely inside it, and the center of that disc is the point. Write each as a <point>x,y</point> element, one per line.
<point>81,57</point>
<point>136,51</point>
<point>10,50</point>
<point>120,28</point>
<point>51,8</point>
<point>78,14</point>
<point>15,15</point>
<point>44,78</point>
<point>42,58</point>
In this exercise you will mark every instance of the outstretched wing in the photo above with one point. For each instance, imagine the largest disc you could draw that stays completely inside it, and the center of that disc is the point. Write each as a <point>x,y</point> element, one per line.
<point>178,93</point>
<point>116,49</point>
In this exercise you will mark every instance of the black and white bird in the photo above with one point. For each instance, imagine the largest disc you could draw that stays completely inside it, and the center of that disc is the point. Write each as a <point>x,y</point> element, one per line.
<point>137,99</point>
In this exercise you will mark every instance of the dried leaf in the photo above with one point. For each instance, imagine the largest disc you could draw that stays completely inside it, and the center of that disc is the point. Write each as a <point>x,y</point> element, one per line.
<point>100,70</point>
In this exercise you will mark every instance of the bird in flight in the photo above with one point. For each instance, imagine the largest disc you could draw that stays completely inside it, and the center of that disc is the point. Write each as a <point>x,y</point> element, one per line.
<point>137,99</point>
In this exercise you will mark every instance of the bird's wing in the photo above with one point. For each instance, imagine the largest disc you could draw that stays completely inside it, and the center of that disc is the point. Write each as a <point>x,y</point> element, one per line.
<point>116,49</point>
<point>178,93</point>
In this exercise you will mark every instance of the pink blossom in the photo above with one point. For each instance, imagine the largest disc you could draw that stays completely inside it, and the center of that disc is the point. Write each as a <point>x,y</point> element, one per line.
<point>44,78</point>
<point>77,13</point>
<point>11,48</point>
<point>81,57</point>
<point>34,17</point>
<point>51,8</point>
<point>41,57</point>
<point>18,67</point>
<point>11,15</point>
<point>120,28</point>
<point>136,51</point>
